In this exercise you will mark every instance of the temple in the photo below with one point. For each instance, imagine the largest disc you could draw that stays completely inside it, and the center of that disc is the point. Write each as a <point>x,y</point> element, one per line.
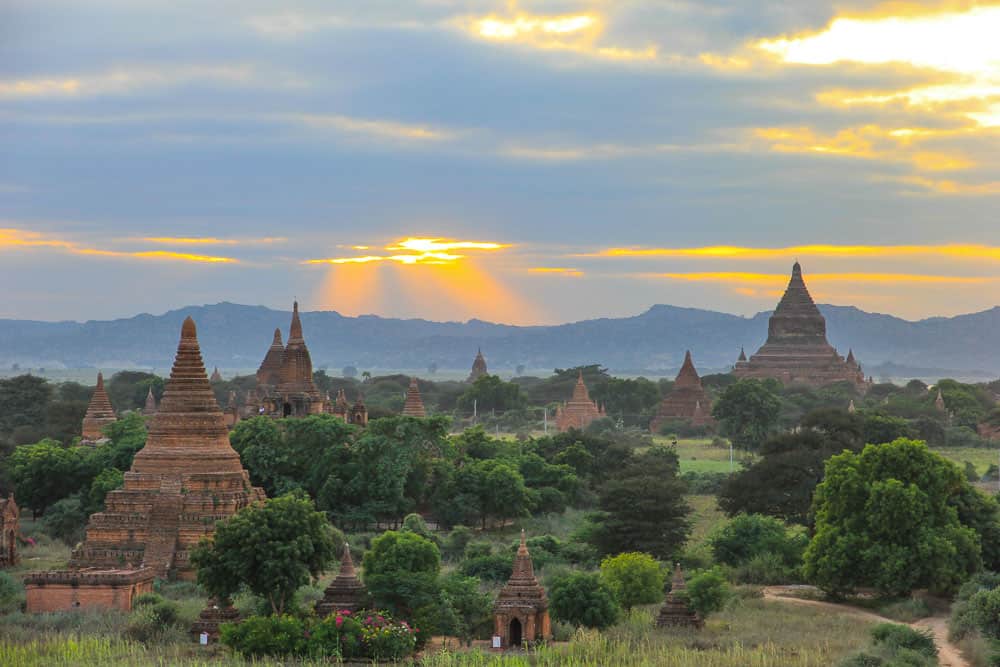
<point>216,375</point>
<point>478,367</point>
<point>356,414</point>
<point>185,479</point>
<point>521,612</point>
<point>580,411</point>
<point>345,592</point>
<point>675,611</point>
<point>686,402</point>
<point>797,351</point>
<point>99,413</point>
<point>284,380</point>
<point>149,409</point>
<point>10,517</point>
<point>413,406</point>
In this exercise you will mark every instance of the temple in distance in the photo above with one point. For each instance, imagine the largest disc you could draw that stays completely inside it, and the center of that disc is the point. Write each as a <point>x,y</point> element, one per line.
<point>580,410</point>
<point>478,367</point>
<point>99,414</point>
<point>796,350</point>
<point>686,402</point>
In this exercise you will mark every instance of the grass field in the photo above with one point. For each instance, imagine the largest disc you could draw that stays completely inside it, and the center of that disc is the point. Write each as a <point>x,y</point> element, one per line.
<point>700,455</point>
<point>981,457</point>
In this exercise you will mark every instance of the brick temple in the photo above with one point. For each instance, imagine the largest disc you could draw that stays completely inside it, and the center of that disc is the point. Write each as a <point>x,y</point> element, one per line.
<point>675,611</point>
<point>413,405</point>
<point>579,411</point>
<point>686,402</point>
<point>345,592</point>
<point>478,367</point>
<point>185,479</point>
<point>521,612</point>
<point>796,350</point>
<point>99,413</point>
<point>356,413</point>
<point>284,380</point>
<point>10,516</point>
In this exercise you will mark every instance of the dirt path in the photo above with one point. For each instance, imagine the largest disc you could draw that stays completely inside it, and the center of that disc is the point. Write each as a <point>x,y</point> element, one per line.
<point>948,653</point>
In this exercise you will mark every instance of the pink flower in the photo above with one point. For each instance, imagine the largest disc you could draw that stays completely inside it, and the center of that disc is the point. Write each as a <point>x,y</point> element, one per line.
<point>340,621</point>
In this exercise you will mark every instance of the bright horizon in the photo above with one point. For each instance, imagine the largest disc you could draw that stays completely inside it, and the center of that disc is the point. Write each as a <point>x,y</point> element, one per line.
<point>516,162</point>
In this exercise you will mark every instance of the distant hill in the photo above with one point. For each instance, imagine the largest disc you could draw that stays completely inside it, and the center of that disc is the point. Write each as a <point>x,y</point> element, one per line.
<point>237,336</point>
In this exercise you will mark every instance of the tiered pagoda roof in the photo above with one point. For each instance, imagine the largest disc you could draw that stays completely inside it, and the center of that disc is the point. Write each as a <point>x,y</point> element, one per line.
<point>285,385</point>
<point>345,592</point>
<point>185,478</point>
<point>99,412</point>
<point>149,408</point>
<point>522,600</point>
<point>797,351</point>
<point>579,411</point>
<point>269,372</point>
<point>413,406</point>
<point>675,610</point>
<point>687,401</point>
<point>478,367</point>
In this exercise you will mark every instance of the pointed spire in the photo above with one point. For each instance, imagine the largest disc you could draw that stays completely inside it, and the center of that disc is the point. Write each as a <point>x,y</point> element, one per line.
<point>850,356</point>
<point>346,564</point>
<point>743,354</point>
<point>345,592</point>
<point>150,407</point>
<point>939,401</point>
<point>295,330</point>
<point>277,338</point>
<point>99,413</point>
<point>216,375</point>
<point>687,377</point>
<point>413,405</point>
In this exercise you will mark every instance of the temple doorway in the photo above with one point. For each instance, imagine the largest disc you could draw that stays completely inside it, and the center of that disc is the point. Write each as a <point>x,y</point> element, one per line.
<point>286,410</point>
<point>514,634</point>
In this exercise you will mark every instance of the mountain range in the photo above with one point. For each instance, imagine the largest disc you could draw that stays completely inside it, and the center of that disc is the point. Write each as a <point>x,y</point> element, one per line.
<point>236,336</point>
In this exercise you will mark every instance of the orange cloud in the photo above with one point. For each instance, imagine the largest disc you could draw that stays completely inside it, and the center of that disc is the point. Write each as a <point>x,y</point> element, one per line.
<point>557,270</point>
<point>956,250</point>
<point>818,278</point>
<point>12,237</point>
<point>187,240</point>
<point>418,251</point>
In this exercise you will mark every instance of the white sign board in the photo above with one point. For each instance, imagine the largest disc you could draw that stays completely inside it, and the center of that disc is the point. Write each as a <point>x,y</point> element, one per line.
<point>496,641</point>
<point>203,639</point>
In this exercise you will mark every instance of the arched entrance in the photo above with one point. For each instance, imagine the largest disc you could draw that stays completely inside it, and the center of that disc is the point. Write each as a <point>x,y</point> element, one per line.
<point>514,633</point>
<point>286,410</point>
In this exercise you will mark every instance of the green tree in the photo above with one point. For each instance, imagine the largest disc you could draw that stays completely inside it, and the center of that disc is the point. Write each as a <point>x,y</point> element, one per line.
<point>401,572</point>
<point>472,608</point>
<point>260,444</point>
<point>23,401</point>
<point>582,599</point>
<point>747,413</point>
<point>46,472</point>
<point>271,549</point>
<point>634,578</point>
<point>128,389</point>
<point>66,519</point>
<point>489,392</point>
<point>643,507</point>
<point>748,536</point>
<point>125,438</point>
<point>106,481</point>
<point>880,429</point>
<point>495,487</point>
<point>707,591</point>
<point>885,518</point>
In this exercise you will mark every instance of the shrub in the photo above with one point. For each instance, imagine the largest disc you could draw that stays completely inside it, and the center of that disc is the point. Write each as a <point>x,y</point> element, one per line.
<point>896,637</point>
<point>282,635</point>
<point>581,598</point>
<point>634,578</point>
<point>455,544</point>
<point>766,568</point>
<point>338,634</point>
<point>66,519</point>
<point>386,640</point>
<point>749,535</point>
<point>146,599</point>
<point>704,483</point>
<point>496,568</point>
<point>707,591</point>
<point>150,621</point>
<point>984,610</point>
<point>10,592</point>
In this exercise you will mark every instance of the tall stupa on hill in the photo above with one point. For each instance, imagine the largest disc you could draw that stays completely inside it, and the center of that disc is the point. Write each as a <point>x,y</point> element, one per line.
<point>797,351</point>
<point>185,479</point>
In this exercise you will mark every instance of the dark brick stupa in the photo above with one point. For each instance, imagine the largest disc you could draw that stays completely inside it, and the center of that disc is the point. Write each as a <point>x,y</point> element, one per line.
<point>687,401</point>
<point>345,592</point>
<point>797,351</point>
<point>675,611</point>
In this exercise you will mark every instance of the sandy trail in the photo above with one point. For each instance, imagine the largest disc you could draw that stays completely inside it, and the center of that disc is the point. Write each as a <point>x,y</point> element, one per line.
<point>948,653</point>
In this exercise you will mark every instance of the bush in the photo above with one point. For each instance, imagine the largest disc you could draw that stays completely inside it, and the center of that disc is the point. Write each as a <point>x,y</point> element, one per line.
<point>634,578</point>
<point>338,634</point>
<point>581,598</point>
<point>496,568</point>
<point>765,569</point>
<point>984,611</point>
<point>704,483</point>
<point>66,519</point>
<point>150,621</point>
<point>386,640</point>
<point>266,635</point>
<point>896,637</point>
<point>747,536</point>
<point>10,592</point>
<point>453,547</point>
<point>707,591</point>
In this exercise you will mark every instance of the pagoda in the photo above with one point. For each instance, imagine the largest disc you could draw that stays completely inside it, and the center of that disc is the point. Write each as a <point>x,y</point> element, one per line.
<point>99,413</point>
<point>521,612</point>
<point>358,414</point>
<point>687,401</point>
<point>413,406</point>
<point>580,411</point>
<point>149,409</point>
<point>797,351</point>
<point>345,592</point>
<point>478,367</point>
<point>285,385</point>
<point>185,479</point>
<point>675,611</point>
<point>216,376</point>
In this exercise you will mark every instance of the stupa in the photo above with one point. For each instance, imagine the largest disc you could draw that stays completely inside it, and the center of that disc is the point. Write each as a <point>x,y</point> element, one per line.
<point>216,375</point>
<point>10,516</point>
<point>413,406</point>
<point>149,409</point>
<point>99,413</point>
<point>285,385</point>
<point>478,367</point>
<point>579,411</point>
<point>687,401</point>
<point>345,592</point>
<point>521,612</point>
<point>675,610</point>
<point>185,479</point>
<point>796,350</point>
<point>358,414</point>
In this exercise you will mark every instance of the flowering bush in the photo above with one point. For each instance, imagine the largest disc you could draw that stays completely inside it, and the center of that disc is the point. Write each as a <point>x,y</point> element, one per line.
<point>372,636</point>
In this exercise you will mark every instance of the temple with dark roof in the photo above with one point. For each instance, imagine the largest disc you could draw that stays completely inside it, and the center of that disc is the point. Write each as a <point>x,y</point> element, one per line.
<point>796,350</point>
<point>478,367</point>
<point>185,478</point>
<point>521,612</point>
<point>285,385</point>
<point>686,402</point>
<point>413,405</point>
<point>99,414</point>
<point>580,410</point>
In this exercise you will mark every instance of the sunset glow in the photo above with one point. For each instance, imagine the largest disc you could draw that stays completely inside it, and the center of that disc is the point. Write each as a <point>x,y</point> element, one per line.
<point>957,250</point>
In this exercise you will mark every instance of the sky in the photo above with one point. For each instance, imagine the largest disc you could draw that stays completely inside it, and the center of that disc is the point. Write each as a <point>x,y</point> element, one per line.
<point>520,162</point>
